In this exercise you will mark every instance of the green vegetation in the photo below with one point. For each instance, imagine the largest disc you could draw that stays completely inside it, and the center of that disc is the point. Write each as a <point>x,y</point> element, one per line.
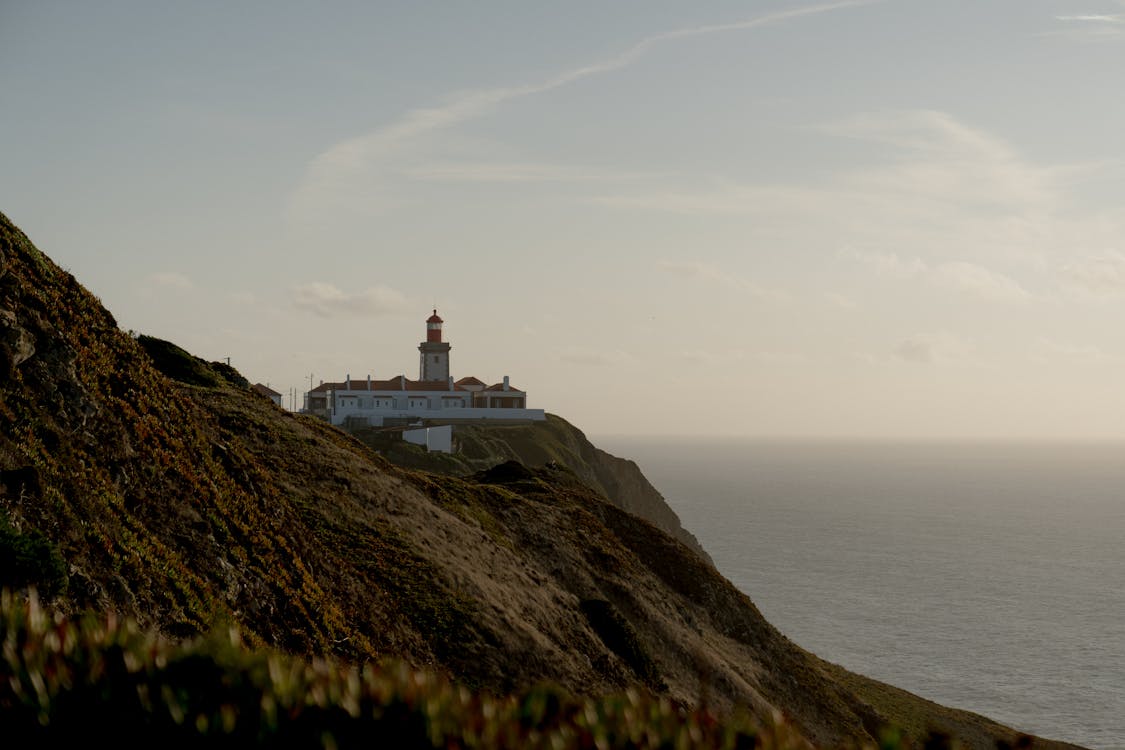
<point>184,367</point>
<point>61,680</point>
<point>30,559</point>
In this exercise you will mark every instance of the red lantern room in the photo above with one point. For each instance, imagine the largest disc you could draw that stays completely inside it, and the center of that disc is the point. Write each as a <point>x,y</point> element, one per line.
<point>433,353</point>
<point>433,328</point>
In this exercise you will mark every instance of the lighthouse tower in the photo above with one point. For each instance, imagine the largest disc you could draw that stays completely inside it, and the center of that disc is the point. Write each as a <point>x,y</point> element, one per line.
<point>434,353</point>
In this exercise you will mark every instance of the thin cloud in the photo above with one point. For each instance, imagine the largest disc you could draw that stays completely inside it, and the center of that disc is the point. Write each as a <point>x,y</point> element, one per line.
<point>1093,18</point>
<point>961,276</point>
<point>923,130</point>
<point>1091,26</point>
<point>938,172</point>
<point>328,301</point>
<point>711,358</point>
<point>170,280</point>
<point>693,269</point>
<point>887,264</point>
<point>331,173</point>
<point>698,357</point>
<point>1096,276</point>
<point>1053,351</point>
<point>774,357</point>
<point>516,172</point>
<point>718,198</point>
<point>943,160</point>
<point>914,350</point>
<point>706,272</point>
<point>932,348</point>
<point>980,282</point>
<point>840,300</point>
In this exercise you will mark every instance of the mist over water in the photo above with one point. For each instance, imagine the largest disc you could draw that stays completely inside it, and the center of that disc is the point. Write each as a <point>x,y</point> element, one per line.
<point>985,576</point>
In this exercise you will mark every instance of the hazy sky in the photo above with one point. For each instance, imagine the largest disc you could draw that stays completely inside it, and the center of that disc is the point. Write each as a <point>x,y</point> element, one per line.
<point>899,219</point>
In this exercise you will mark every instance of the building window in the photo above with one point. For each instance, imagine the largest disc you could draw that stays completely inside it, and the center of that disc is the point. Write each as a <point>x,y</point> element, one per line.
<point>435,359</point>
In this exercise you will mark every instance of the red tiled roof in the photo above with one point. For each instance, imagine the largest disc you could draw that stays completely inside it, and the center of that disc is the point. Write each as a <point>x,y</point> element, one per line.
<point>397,383</point>
<point>430,385</point>
<point>500,387</point>
<point>394,384</point>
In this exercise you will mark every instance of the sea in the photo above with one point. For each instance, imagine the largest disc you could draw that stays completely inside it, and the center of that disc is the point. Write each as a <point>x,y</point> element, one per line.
<point>986,576</point>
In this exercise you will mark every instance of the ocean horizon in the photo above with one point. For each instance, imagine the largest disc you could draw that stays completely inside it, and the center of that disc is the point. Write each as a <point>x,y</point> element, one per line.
<point>985,575</point>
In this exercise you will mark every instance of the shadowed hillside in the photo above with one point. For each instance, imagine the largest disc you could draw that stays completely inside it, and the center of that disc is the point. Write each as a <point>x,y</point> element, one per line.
<point>555,441</point>
<point>139,480</point>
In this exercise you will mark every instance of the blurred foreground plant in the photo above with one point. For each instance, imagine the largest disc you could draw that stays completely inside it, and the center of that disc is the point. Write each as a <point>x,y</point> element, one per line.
<point>99,676</point>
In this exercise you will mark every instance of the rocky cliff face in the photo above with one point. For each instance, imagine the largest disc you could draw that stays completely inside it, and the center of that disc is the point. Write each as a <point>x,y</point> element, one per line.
<point>556,441</point>
<point>138,479</point>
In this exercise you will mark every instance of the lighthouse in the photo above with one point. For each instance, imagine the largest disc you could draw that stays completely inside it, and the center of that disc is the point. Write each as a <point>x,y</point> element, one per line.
<point>433,353</point>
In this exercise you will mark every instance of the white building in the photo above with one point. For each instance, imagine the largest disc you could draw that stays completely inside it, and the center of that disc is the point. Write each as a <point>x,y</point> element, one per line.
<point>435,398</point>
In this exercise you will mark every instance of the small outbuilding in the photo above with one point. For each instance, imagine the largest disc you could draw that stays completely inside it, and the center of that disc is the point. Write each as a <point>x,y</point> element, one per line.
<point>268,392</point>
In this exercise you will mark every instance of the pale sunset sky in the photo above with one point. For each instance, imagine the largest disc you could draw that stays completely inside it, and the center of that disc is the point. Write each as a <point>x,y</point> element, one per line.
<point>896,219</point>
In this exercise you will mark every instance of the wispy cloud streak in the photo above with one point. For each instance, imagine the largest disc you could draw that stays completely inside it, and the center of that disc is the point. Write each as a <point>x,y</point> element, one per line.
<point>330,173</point>
<point>509,172</point>
<point>1092,26</point>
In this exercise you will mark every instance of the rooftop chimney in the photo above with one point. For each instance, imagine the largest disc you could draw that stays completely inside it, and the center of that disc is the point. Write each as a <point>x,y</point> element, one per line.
<point>505,382</point>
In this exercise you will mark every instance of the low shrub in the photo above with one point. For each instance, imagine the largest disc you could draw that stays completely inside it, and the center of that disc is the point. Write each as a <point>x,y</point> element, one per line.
<point>30,559</point>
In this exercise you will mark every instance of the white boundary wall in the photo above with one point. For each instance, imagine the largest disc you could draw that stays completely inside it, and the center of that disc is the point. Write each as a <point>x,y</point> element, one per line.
<point>376,418</point>
<point>436,439</point>
<point>376,406</point>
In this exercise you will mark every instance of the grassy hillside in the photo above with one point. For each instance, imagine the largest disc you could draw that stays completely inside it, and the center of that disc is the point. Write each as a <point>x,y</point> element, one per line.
<point>140,481</point>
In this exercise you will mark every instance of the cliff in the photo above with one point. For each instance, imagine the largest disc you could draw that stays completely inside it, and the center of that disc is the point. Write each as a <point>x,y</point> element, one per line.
<point>139,480</point>
<point>538,444</point>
